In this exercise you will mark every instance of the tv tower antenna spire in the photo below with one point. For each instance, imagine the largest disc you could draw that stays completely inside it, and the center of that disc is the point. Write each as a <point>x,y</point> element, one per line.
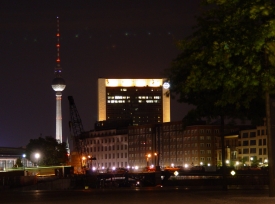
<point>58,85</point>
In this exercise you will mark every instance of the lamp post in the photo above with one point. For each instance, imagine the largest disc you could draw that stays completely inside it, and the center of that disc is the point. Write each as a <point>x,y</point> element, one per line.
<point>24,161</point>
<point>156,154</point>
<point>227,162</point>
<point>251,160</point>
<point>83,161</point>
<point>147,159</point>
<point>37,156</point>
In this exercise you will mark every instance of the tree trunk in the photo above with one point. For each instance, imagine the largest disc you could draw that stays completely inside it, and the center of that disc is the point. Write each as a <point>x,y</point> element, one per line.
<point>269,146</point>
<point>224,182</point>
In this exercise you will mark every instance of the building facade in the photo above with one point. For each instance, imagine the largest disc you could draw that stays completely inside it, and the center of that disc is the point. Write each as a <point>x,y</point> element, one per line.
<point>108,147</point>
<point>144,101</point>
<point>172,144</point>
<point>252,147</point>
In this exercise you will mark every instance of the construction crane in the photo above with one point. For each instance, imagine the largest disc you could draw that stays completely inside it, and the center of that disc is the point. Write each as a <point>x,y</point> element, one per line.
<point>77,130</point>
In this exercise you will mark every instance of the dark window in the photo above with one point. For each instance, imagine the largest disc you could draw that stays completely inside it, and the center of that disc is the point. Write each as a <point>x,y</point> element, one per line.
<point>260,142</point>
<point>264,141</point>
<point>258,132</point>
<point>252,150</point>
<point>252,142</point>
<point>253,134</point>
<point>262,132</point>
<point>245,143</point>
<point>264,151</point>
<point>245,151</point>
<point>260,151</point>
<point>245,135</point>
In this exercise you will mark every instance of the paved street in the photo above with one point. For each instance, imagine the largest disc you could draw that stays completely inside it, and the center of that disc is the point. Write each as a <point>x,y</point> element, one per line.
<point>138,195</point>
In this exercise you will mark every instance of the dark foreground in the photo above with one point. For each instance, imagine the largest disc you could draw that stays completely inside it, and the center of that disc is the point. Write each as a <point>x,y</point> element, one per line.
<point>154,195</point>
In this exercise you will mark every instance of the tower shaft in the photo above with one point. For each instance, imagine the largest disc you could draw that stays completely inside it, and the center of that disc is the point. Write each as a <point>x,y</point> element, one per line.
<point>58,116</point>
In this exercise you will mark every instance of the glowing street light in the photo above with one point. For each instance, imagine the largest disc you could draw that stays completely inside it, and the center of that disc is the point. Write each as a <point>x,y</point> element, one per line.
<point>156,154</point>
<point>147,159</point>
<point>37,156</point>
<point>251,160</point>
<point>83,161</point>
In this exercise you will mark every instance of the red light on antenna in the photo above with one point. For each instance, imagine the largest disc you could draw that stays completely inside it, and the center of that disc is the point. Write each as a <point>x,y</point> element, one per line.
<point>57,45</point>
<point>57,34</point>
<point>58,60</point>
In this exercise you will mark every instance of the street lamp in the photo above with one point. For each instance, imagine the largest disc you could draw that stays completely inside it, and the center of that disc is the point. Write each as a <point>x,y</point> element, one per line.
<point>237,164</point>
<point>83,161</point>
<point>251,160</point>
<point>156,154</point>
<point>227,162</point>
<point>37,156</point>
<point>24,161</point>
<point>147,159</point>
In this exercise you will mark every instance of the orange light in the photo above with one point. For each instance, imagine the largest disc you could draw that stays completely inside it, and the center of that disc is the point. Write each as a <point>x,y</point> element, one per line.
<point>57,45</point>
<point>57,34</point>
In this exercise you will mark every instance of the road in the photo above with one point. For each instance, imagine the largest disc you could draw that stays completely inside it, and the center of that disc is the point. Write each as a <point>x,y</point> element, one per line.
<point>155,195</point>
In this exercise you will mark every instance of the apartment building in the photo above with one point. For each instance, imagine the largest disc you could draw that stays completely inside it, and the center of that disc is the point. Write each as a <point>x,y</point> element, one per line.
<point>172,144</point>
<point>109,147</point>
<point>252,146</point>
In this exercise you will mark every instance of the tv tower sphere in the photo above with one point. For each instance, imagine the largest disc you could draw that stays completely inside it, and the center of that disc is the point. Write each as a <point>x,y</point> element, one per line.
<point>58,84</point>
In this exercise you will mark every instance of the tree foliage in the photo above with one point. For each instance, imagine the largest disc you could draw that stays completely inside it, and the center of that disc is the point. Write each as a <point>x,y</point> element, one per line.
<point>51,151</point>
<point>226,65</point>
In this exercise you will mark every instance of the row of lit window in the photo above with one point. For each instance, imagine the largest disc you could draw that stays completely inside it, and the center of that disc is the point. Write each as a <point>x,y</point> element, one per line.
<point>105,148</point>
<point>149,101</point>
<point>115,156</point>
<point>196,152</point>
<point>129,101</point>
<point>118,97</point>
<point>110,165</point>
<point>149,97</point>
<point>106,140</point>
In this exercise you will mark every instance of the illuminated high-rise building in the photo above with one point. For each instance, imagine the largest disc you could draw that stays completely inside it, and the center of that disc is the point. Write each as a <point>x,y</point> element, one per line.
<point>58,85</point>
<point>141,100</point>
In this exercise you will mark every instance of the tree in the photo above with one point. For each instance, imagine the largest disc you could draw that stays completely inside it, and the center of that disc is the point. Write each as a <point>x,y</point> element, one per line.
<point>51,151</point>
<point>18,162</point>
<point>230,56</point>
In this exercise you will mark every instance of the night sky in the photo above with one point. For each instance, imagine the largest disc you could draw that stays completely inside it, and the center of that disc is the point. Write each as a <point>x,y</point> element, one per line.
<point>99,38</point>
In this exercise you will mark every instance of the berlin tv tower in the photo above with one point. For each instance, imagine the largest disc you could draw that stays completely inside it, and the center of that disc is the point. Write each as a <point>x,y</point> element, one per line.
<point>58,86</point>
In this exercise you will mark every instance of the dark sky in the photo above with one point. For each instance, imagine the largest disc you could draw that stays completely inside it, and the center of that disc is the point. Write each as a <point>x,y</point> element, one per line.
<point>99,38</point>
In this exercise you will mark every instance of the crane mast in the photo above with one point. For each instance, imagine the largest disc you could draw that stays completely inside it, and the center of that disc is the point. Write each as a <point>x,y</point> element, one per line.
<point>76,128</point>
